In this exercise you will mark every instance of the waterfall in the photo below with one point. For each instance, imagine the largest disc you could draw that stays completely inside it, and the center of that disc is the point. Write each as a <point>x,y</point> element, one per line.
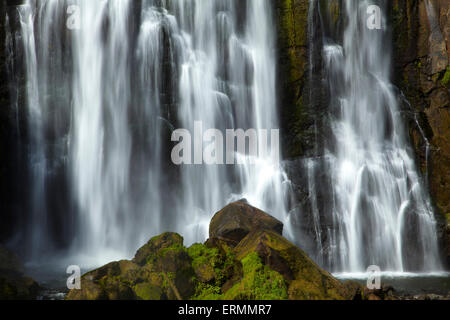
<point>380,210</point>
<point>104,95</point>
<point>109,82</point>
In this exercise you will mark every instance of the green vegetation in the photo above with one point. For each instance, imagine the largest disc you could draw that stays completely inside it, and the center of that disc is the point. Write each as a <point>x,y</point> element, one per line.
<point>212,269</point>
<point>446,79</point>
<point>207,292</point>
<point>259,282</point>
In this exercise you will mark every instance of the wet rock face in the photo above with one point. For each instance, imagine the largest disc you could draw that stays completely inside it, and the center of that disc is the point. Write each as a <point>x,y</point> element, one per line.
<point>421,37</point>
<point>292,20</point>
<point>235,221</point>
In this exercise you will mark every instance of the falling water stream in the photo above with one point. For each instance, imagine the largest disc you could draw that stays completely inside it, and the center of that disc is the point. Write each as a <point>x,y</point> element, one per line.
<point>103,98</point>
<point>381,211</point>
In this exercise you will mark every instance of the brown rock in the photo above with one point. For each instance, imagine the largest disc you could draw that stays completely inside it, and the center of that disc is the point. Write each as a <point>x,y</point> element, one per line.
<point>238,219</point>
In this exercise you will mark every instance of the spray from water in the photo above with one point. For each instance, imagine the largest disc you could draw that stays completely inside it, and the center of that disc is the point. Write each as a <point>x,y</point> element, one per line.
<point>110,92</point>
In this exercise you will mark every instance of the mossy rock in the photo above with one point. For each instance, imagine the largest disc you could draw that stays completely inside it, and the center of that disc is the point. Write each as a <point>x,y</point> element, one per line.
<point>216,270</point>
<point>259,282</point>
<point>305,278</point>
<point>235,221</point>
<point>446,78</point>
<point>162,263</point>
<point>106,283</point>
<point>262,266</point>
<point>147,291</point>
<point>155,245</point>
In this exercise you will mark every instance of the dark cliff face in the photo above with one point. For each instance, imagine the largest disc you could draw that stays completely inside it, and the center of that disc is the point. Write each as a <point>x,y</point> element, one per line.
<point>303,98</point>
<point>421,56</point>
<point>422,71</point>
<point>421,51</point>
<point>292,25</point>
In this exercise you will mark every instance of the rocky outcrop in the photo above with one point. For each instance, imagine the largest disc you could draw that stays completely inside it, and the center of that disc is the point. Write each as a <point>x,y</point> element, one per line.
<point>421,37</point>
<point>261,266</point>
<point>235,221</point>
<point>13,284</point>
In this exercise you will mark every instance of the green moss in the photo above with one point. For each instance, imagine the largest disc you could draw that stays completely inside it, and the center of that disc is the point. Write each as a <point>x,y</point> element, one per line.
<point>147,291</point>
<point>201,255</point>
<point>259,282</point>
<point>207,292</point>
<point>446,79</point>
<point>177,247</point>
<point>211,265</point>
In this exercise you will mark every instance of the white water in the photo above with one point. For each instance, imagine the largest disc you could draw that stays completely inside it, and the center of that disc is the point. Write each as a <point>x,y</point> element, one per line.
<point>102,101</point>
<point>380,209</point>
<point>118,89</point>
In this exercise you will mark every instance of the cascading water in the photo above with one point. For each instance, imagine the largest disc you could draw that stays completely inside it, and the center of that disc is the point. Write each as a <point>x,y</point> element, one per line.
<point>104,97</point>
<point>381,213</point>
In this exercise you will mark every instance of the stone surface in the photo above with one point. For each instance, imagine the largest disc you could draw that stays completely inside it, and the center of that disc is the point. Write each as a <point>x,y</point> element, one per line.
<point>235,221</point>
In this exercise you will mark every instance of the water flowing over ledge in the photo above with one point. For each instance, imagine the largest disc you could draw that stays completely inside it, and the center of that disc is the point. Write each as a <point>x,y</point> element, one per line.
<point>103,99</point>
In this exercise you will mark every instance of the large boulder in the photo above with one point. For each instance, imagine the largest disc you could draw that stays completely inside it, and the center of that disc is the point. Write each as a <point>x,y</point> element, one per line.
<point>155,245</point>
<point>160,270</point>
<point>238,219</point>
